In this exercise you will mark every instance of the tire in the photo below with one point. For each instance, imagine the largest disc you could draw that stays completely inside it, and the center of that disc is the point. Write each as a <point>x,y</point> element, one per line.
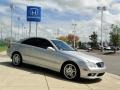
<point>70,71</point>
<point>16,59</point>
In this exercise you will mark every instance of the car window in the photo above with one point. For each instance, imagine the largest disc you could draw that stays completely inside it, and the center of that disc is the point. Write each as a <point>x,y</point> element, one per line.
<point>38,42</point>
<point>62,45</point>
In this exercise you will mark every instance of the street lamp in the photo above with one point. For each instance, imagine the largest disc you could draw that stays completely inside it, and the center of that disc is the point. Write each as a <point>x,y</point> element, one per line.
<point>58,32</point>
<point>1,30</point>
<point>102,8</point>
<point>74,31</point>
<point>22,30</point>
<point>25,30</point>
<point>11,7</point>
<point>18,27</point>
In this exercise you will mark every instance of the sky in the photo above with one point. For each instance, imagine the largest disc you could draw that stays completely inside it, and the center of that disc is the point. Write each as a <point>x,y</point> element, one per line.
<point>59,15</point>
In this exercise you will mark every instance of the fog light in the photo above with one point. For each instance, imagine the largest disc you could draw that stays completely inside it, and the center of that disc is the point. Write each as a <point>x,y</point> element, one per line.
<point>91,74</point>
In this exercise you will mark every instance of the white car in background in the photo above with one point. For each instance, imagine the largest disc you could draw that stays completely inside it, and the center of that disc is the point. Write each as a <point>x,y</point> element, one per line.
<point>56,55</point>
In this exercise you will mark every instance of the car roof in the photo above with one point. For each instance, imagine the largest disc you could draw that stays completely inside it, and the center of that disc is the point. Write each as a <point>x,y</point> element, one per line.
<point>21,40</point>
<point>38,38</point>
<point>32,37</point>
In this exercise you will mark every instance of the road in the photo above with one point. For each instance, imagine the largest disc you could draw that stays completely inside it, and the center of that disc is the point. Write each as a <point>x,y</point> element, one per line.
<point>112,61</point>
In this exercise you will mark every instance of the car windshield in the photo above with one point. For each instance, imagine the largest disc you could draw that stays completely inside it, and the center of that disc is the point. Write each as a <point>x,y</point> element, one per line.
<point>62,46</point>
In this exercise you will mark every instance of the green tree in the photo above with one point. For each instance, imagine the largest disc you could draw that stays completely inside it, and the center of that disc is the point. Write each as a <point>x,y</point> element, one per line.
<point>115,36</point>
<point>94,38</point>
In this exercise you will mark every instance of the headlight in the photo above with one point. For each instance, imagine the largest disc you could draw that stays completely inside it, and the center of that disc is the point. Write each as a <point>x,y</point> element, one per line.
<point>91,65</point>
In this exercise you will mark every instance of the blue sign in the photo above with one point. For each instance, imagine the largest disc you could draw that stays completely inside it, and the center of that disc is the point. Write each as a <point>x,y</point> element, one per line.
<point>33,13</point>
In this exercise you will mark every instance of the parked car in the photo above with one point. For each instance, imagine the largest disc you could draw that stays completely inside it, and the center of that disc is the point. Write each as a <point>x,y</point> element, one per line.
<point>115,48</point>
<point>107,48</point>
<point>86,46</point>
<point>56,55</point>
<point>104,47</point>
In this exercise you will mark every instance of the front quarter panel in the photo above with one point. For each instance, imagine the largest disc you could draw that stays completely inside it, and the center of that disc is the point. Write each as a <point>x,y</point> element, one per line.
<point>74,59</point>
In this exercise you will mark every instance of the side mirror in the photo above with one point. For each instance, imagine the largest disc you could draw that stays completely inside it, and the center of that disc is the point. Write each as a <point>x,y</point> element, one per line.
<point>50,49</point>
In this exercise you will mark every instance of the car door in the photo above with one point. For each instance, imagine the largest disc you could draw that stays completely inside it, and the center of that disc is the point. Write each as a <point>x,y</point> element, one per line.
<point>35,52</point>
<point>53,59</point>
<point>43,56</point>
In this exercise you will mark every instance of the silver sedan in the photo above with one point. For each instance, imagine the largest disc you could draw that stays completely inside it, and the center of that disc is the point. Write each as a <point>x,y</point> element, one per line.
<point>56,55</point>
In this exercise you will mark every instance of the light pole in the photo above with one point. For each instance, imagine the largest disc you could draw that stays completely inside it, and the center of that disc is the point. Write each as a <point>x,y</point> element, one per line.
<point>1,31</point>
<point>26,33</point>
<point>102,8</point>
<point>22,30</point>
<point>11,7</point>
<point>29,28</point>
<point>74,31</point>
<point>18,27</point>
<point>58,32</point>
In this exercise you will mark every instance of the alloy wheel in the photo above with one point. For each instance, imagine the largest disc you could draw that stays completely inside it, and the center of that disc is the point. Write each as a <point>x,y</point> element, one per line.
<point>70,71</point>
<point>16,59</point>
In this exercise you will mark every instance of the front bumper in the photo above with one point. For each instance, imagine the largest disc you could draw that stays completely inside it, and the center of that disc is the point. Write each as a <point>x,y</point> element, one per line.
<point>92,74</point>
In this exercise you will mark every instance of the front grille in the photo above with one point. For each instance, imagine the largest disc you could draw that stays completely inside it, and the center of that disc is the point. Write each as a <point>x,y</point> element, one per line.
<point>100,64</point>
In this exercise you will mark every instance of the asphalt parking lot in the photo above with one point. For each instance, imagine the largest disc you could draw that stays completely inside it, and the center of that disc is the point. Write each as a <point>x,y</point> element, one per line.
<point>28,77</point>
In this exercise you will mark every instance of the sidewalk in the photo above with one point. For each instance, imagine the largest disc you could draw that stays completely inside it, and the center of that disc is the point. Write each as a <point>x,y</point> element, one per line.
<point>30,77</point>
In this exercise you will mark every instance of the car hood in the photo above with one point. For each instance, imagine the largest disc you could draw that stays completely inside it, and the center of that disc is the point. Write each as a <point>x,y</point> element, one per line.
<point>83,56</point>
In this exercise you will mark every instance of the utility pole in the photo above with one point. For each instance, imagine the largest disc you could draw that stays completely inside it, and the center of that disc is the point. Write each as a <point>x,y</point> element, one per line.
<point>74,31</point>
<point>102,9</point>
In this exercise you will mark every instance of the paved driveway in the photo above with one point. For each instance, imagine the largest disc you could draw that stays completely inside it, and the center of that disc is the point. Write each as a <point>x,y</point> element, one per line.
<point>29,77</point>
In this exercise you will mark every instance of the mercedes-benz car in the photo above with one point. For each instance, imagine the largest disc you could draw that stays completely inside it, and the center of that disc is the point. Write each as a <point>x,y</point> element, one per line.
<point>56,55</point>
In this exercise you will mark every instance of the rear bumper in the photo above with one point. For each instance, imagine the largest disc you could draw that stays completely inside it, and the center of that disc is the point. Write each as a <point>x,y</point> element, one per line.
<point>92,74</point>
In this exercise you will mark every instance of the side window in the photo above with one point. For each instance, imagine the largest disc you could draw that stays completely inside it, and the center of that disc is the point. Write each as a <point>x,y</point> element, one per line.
<point>38,42</point>
<point>43,43</point>
<point>28,41</point>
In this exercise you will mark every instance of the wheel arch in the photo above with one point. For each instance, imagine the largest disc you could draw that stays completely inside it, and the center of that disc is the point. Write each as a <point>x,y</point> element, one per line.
<point>15,52</point>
